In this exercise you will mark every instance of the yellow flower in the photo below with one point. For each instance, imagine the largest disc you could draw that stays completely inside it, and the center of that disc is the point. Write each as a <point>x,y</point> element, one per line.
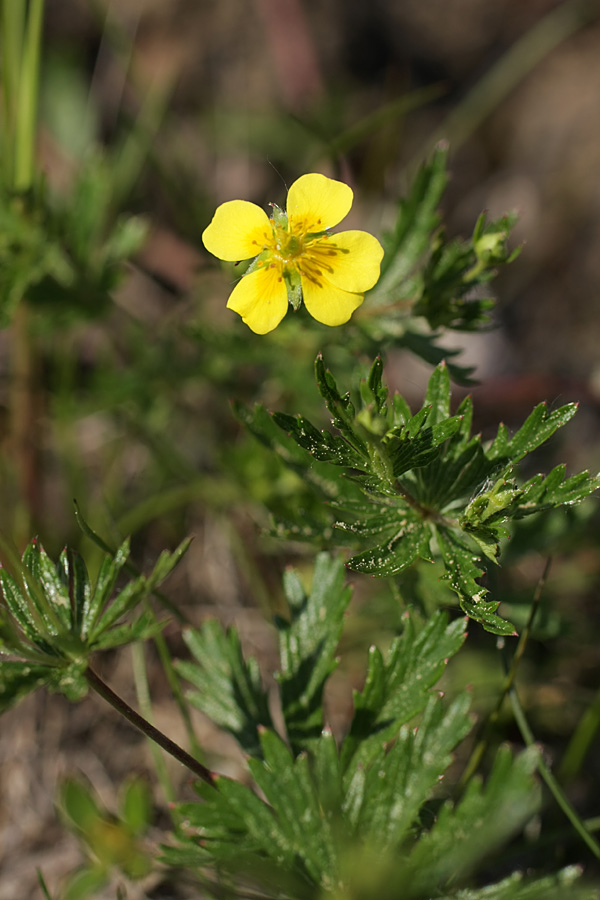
<point>295,256</point>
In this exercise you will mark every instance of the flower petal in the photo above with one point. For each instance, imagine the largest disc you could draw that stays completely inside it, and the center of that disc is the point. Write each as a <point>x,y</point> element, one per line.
<point>239,230</point>
<point>261,300</point>
<point>329,304</point>
<point>315,203</point>
<point>350,260</point>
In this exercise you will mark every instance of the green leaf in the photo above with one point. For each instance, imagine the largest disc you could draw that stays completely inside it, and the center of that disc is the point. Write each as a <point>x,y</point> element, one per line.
<point>537,428</point>
<point>554,490</point>
<point>136,805</point>
<point>79,804</point>
<point>74,576</point>
<point>105,583</point>
<point>44,574</point>
<point>397,686</point>
<point>307,644</point>
<point>127,599</point>
<point>86,882</point>
<point>17,679</point>
<point>403,538</point>
<point>401,778</point>
<point>410,240</point>
<point>141,629</point>
<point>341,408</point>
<point>429,487</point>
<point>320,444</point>
<point>484,819</point>
<point>516,887</point>
<point>228,687</point>
<point>301,829</point>
<point>462,570</point>
<point>132,594</point>
<point>18,606</point>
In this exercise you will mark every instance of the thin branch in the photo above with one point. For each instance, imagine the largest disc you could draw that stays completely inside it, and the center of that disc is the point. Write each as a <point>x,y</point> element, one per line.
<point>482,744</point>
<point>101,688</point>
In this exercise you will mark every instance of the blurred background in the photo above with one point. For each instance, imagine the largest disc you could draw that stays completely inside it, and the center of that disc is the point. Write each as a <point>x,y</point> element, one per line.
<point>190,103</point>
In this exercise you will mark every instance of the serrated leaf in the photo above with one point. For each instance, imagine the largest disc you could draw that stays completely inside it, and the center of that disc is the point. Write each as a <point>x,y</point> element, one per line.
<point>537,428</point>
<point>165,564</point>
<point>228,687</point>
<point>401,778</point>
<point>44,574</point>
<point>408,243</point>
<point>397,686</point>
<point>17,605</point>
<point>17,679</point>
<point>405,537</point>
<point>320,444</point>
<point>288,786</point>
<point>426,474</point>
<point>307,644</point>
<point>462,570</point>
<point>73,574</point>
<point>437,397</point>
<point>142,629</point>
<point>483,820</point>
<point>541,493</point>
<point>124,601</point>
<point>133,593</point>
<point>341,407</point>
<point>517,887</point>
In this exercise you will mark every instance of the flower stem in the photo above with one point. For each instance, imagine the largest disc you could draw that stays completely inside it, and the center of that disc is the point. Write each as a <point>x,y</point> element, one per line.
<point>101,688</point>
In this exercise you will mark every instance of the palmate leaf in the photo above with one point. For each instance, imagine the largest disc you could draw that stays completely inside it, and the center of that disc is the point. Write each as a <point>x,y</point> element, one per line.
<point>52,617</point>
<point>228,688</point>
<point>309,818</point>
<point>287,834</point>
<point>430,488</point>
<point>307,646</point>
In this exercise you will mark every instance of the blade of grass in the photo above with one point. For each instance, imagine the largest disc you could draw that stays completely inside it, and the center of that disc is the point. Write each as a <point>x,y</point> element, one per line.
<point>140,678</point>
<point>581,741</point>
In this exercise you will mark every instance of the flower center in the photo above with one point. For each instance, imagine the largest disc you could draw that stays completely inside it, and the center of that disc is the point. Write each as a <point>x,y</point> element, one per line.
<point>285,246</point>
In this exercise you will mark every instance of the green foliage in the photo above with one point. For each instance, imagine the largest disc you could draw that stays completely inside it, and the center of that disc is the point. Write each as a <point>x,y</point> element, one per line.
<point>375,810</point>
<point>111,842</point>
<point>307,646</point>
<point>52,617</point>
<point>228,689</point>
<point>376,796</point>
<point>425,276</point>
<point>66,255</point>
<point>428,487</point>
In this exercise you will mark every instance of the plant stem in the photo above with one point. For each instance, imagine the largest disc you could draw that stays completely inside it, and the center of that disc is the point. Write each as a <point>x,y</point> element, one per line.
<point>482,744</point>
<point>101,688</point>
<point>551,782</point>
